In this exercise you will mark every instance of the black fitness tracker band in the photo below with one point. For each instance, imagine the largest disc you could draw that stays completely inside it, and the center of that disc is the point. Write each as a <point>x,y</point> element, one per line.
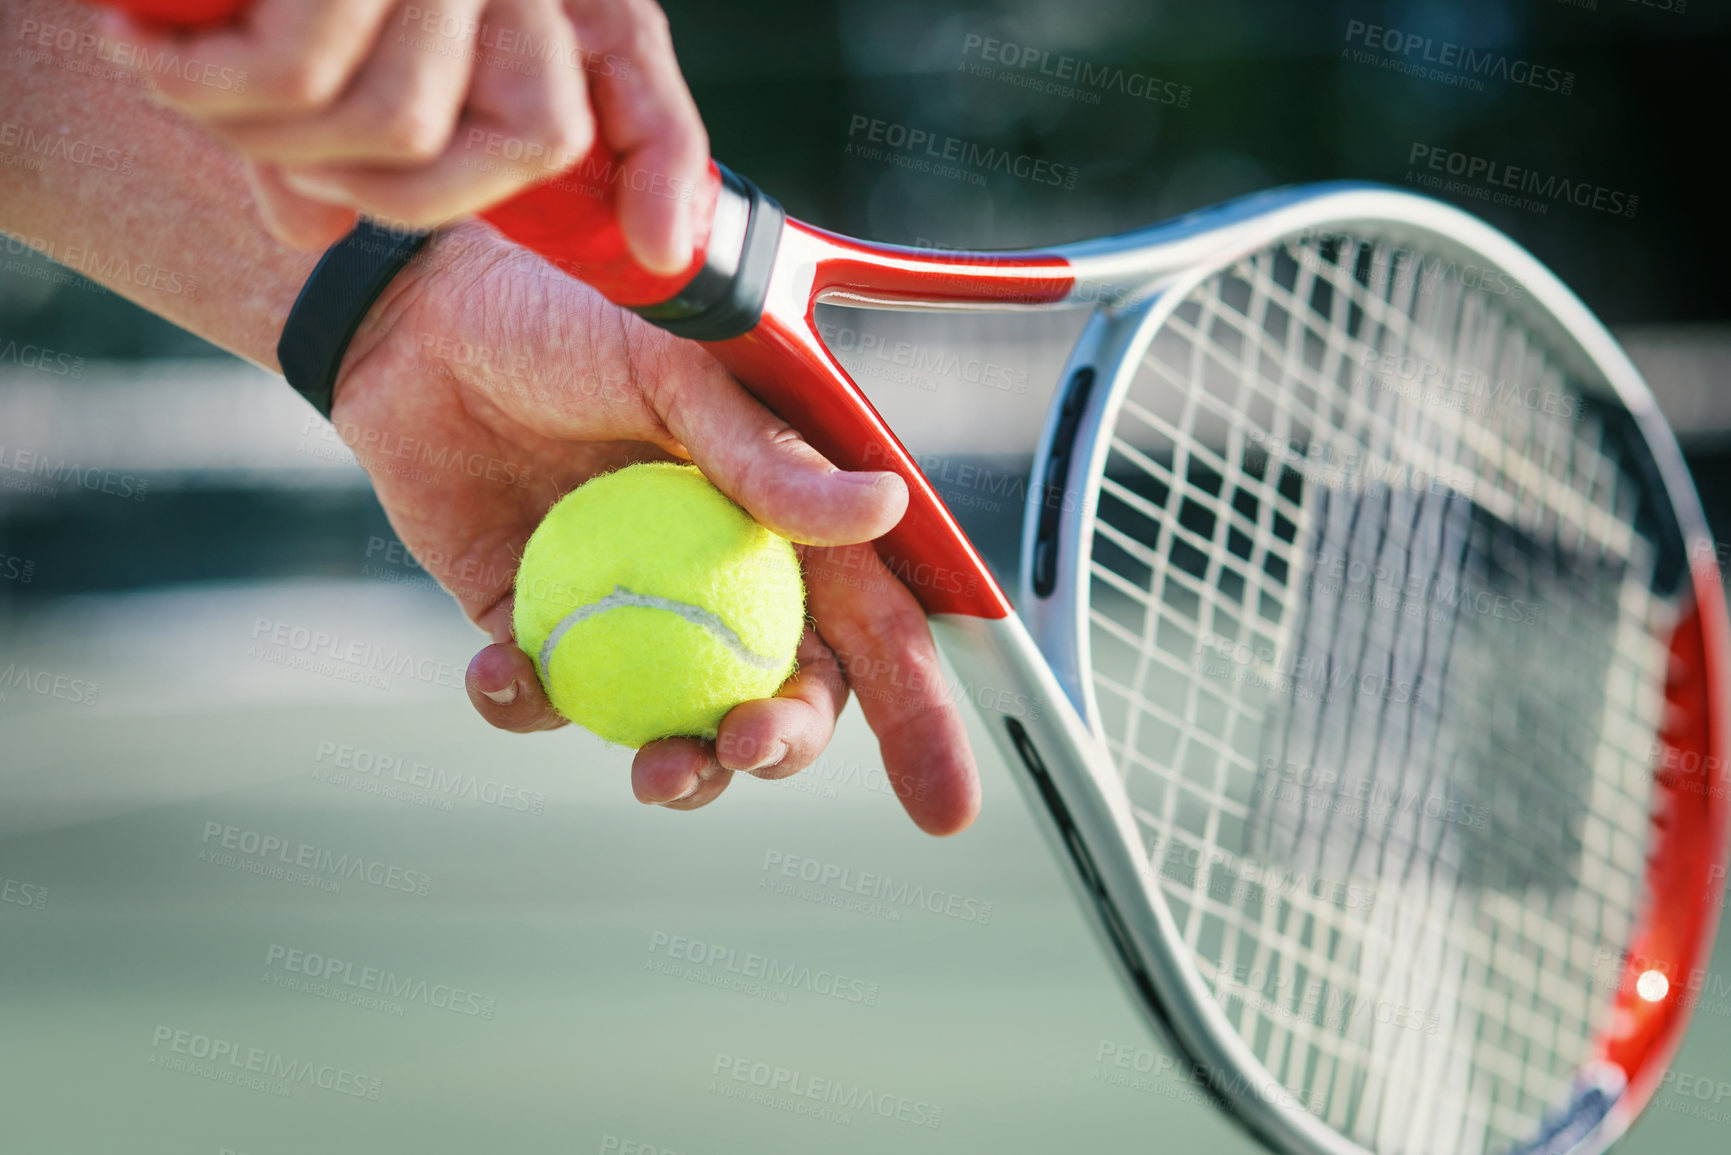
<point>334,301</point>
<point>724,298</point>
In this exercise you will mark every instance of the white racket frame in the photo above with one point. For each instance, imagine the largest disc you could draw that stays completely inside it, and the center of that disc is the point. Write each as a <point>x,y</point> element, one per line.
<point>1041,657</point>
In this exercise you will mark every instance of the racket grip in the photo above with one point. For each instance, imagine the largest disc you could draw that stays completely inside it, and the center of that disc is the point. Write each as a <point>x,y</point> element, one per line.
<point>571,219</point>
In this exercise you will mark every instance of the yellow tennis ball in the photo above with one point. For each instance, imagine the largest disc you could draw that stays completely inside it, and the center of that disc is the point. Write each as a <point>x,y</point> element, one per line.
<point>652,605</point>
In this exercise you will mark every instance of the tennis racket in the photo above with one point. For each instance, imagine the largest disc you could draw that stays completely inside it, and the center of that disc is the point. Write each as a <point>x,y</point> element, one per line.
<point>1368,677</point>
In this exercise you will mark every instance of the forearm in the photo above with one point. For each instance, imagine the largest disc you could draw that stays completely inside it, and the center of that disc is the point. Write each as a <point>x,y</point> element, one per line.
<point>100,179</point>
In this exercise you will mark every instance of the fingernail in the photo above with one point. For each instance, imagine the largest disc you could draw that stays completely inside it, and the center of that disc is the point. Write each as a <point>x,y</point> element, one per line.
<point>770,757</point>
<point>503,697</point>
<point>696,784</point>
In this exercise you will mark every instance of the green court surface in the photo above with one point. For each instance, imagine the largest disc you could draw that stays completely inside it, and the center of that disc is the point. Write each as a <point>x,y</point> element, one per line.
<point>270,893</point>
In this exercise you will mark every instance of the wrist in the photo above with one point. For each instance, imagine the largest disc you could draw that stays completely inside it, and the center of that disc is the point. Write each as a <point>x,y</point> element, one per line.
<point>455,256</point>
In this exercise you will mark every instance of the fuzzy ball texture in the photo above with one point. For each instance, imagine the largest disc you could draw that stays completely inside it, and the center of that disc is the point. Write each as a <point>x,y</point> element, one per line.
<point>652,605</point>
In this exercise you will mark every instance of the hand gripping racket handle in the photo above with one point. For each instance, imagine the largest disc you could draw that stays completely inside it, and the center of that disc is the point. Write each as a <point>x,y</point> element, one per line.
<point>571,219</point>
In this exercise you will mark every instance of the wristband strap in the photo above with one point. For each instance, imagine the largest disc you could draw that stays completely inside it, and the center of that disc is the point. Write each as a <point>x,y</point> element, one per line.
<point>334,301</point>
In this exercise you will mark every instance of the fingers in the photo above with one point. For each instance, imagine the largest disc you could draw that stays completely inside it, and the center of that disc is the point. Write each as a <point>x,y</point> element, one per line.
<point>678,773</point>
<point>885,649</point>
<point>525,117</point>
<point>294,219</point>
<point>281,54</point>
<point>769,738</point>
<point>779,736</point>
<point>502,684</point>
<point>877,642</point>
<point>649,120</point>
<point>413,114</point>
<point>758,460</point>
<point>397,109</point>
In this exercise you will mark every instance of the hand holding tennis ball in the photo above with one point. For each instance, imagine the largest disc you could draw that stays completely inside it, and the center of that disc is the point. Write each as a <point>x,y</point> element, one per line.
<point>652,605</point>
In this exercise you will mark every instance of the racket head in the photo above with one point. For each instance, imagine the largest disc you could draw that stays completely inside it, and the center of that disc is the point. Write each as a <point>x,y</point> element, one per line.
<point>1253,802</point>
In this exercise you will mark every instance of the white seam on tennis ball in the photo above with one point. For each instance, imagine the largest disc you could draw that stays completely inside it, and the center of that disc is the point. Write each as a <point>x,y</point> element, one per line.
<point>696,615</point>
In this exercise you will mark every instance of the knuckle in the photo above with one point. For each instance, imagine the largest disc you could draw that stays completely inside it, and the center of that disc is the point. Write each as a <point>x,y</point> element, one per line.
<point>650,21</point>
<point>413,133</point>
<point>565,136</point>
<point>650,36</point>
<point>302,84</point>
<point>894,632</point>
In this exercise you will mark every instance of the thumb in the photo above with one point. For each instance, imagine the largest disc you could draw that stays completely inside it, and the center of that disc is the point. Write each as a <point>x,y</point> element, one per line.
<point>295,219</point>
<point>764,464</point>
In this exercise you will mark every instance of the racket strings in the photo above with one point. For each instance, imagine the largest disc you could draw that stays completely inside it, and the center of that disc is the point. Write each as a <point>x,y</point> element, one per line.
<point>1361,844</point>
<point>1303,573</point>
<point>1381,528</point>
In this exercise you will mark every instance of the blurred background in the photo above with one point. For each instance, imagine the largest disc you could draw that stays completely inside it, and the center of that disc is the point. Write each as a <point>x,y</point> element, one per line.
<point>547,966</point>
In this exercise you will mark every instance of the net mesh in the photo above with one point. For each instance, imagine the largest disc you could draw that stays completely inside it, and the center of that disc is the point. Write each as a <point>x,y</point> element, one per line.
<point>1376,646</point>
